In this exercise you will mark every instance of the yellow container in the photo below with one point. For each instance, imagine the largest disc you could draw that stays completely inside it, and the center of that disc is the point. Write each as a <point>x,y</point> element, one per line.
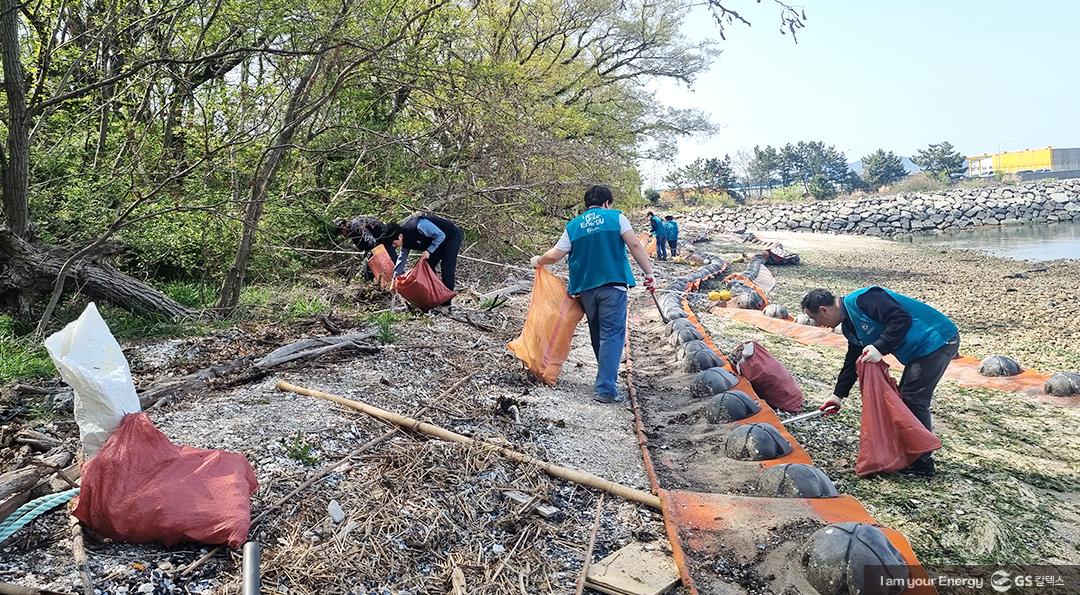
<point>1029,160</point>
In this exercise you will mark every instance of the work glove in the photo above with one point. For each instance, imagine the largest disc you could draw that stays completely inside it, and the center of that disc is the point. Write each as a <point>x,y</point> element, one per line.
<point>831,406</point>
<point>535,262</point>
<point>870,354</point>
<point>650,283</point>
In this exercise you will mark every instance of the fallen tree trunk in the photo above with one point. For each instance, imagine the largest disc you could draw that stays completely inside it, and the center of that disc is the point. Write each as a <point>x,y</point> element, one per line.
<point>248,368</point>
<point>29,270</point>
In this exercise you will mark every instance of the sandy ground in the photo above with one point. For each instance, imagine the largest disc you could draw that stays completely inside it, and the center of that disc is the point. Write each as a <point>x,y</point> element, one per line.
<point>1008,474</point>
<point>1002,307</point>
<point>417,509</point>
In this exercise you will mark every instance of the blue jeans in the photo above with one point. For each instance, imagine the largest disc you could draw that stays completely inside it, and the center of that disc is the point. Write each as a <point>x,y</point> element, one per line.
<point>661,248</point>
<point>605,309</point>
<point>673,245</point>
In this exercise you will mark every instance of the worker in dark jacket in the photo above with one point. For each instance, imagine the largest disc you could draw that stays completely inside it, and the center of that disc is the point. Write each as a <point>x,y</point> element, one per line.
<point>671,230</point>
<point>366,233</point>
<point>438,238</point>
<point>877,322</point>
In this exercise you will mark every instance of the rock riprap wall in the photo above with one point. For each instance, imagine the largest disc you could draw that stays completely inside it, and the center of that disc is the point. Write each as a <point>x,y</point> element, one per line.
<point>1033,202</point>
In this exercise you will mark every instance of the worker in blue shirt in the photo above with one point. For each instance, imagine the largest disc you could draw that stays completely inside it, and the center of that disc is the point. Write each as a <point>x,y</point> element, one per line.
<point>877,322</point>
<point>672,231</point>
<point>438,238</point>
<point>600,276</point>
<point>658,231</point>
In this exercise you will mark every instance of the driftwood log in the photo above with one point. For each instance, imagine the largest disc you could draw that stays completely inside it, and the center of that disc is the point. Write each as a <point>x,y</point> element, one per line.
<point>250,367</point>
<point>12,589</point>
<point>15,486</point>
<point>516,287</point>
<point>36,440</point>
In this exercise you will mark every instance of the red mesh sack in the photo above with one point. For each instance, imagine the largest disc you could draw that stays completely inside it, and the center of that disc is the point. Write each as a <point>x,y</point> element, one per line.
<point>770,379</point>
<point>381,266</point>
<point>422,288</point>
<point>142,488</point>
<point>891,437</point>
<point>544,343</point>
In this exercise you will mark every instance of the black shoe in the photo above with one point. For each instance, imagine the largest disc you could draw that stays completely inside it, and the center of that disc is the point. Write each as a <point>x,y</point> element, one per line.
<point>920,469</point>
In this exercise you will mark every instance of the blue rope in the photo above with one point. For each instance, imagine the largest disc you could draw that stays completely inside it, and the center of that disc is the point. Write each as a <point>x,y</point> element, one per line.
<point>32,510</point>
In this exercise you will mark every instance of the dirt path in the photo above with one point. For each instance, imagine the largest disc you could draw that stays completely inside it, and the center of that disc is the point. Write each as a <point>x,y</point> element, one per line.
<point>415,509</point>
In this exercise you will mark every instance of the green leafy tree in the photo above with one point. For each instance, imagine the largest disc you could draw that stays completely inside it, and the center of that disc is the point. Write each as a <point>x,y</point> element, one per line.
<point>821,187</point>
<point>764,169</point>
<point>696,174</point>
<point>881,168</point>
<point>940,160</point>
<point>653,196</point>
<point>188,141</point>
<point>803,161</point>
<point>721,174</point>
<point>677,180</point>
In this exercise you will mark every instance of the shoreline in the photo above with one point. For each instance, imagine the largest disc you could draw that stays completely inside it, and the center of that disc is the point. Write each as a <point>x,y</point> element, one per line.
<point>1002,306</point>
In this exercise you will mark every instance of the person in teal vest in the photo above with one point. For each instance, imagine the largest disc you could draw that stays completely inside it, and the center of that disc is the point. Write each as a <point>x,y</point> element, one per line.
<point>877,322</point>
<point>600,276</point>
<point>671,230</point>
<point>658,231</point>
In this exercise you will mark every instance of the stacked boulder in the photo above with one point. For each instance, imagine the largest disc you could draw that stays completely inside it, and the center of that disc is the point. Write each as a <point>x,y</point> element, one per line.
<point>1044,201</point>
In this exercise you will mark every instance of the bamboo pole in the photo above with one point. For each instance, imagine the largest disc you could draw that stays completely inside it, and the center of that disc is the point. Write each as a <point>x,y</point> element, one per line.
<point>579,477</point>
<point>339,465</point>
<point>589,550</point>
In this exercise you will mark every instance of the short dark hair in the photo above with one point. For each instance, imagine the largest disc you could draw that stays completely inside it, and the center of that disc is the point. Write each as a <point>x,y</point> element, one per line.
<point>390,231</point>
<point>650,213</point>
<point>670,217</point>
<point>597,196</point>
<point>815,299</point>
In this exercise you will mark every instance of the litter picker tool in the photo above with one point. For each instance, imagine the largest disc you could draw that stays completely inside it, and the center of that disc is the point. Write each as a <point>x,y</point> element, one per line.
<point>810,415</point>
<point>658,309</point>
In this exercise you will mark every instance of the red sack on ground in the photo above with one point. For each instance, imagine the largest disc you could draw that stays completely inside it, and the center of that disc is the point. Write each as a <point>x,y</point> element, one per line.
<point>770,379</point>
<point>544,342</point>
<point>142,488</point>
<point>891,437</point>
<point>422,288</point>
<point>381,266</point>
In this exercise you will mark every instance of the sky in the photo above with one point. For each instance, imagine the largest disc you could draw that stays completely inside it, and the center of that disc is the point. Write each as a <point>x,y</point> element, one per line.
<point>983,75</point>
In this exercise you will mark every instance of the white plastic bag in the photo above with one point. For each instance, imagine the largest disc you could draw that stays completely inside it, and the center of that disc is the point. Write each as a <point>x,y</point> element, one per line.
<point>90,361</point>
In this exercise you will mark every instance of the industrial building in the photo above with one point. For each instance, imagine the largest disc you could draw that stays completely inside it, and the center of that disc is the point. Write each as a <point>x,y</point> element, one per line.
<point>1030,160</point>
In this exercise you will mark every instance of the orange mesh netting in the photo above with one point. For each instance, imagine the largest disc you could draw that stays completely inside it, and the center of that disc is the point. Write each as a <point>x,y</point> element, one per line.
<point>706,524</point>
<point>964,370</point>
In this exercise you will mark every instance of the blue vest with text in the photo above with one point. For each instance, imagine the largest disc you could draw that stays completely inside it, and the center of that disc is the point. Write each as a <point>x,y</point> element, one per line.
<point>658,229</point>
<point>598,253</point>
<point>672,230</point>
<point>929,331</point>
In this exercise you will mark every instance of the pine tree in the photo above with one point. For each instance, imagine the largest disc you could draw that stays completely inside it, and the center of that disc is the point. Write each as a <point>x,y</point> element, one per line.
<point>881,169</point>
<point>940,160</point>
